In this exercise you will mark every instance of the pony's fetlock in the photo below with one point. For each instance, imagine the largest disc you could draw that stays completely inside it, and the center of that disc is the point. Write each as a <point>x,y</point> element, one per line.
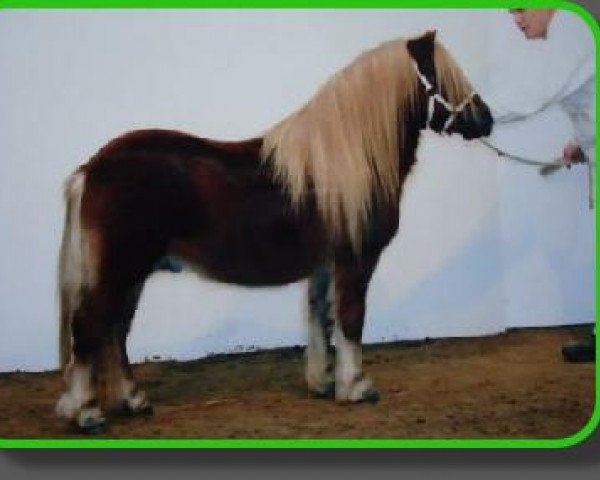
<point>137,405</point>
<point>360,389</point>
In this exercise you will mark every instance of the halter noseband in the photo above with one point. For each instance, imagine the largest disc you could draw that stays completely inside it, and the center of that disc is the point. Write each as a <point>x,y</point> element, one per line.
<point>436,97</point>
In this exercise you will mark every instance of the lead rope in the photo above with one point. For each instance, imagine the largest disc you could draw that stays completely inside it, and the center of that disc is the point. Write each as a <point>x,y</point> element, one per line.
<point>590,183</point>
<point>547,168</point>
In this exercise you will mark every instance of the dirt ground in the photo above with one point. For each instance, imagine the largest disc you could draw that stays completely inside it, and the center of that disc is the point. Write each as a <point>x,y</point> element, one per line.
<point>513,385</point>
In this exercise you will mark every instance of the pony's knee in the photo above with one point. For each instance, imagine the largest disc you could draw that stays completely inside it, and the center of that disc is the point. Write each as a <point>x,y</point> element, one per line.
<point>318,292</point>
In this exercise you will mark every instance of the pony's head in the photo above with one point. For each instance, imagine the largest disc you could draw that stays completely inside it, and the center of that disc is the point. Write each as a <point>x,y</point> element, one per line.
<point>452,105</point>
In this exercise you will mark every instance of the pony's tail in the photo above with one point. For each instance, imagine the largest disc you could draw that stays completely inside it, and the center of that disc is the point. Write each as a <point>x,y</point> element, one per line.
<point>77,275</point>
<point>72,265</point>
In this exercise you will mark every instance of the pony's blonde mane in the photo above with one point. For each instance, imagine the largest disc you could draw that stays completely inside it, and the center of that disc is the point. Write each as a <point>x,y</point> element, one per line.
<point>345,143</point>
<point>453,82</point>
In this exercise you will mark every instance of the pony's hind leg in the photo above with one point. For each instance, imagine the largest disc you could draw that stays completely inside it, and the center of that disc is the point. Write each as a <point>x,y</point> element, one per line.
<point>133,400</point>
<point>319,366</point>
<point>351,283</point>
<point>99,375</point>
<point>79,342</point>
<point>100,280</point>
<point>81,402</point>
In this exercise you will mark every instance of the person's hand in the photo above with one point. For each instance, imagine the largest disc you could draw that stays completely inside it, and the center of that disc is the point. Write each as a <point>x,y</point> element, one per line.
<point>572,153</point>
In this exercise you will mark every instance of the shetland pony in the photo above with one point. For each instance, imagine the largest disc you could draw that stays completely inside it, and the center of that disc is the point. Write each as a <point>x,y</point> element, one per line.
<point>317,196</point>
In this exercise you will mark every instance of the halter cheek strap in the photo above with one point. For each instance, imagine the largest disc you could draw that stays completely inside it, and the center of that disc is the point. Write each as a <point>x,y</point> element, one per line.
<point>436,97</point>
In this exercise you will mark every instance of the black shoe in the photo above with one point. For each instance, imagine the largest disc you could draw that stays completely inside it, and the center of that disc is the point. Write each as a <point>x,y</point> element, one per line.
<point>582,352</point>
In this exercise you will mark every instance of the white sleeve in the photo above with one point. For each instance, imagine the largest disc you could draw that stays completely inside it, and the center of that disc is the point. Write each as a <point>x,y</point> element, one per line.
<point>580,106</point>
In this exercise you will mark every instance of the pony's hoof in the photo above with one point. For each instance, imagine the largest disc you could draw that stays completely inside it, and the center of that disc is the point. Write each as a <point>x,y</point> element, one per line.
<point>371,395</point>
<point>327,391</point>
<point>93,427</point>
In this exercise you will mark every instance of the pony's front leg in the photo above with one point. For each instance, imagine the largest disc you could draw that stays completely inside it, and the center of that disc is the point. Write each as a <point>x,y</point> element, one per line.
<point>319,365</point>
<point>351,283</point>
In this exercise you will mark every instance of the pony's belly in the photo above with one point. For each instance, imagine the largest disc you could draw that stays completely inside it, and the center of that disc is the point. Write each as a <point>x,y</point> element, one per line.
<point>250,268</point>
<point>255,275</point>
<point>256,256</point>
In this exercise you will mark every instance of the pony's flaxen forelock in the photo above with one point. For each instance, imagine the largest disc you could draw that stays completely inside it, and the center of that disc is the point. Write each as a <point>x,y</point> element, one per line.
<point>345,143</point>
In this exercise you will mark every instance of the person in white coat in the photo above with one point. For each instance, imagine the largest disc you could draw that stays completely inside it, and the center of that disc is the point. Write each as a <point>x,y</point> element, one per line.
<point>566,78</point>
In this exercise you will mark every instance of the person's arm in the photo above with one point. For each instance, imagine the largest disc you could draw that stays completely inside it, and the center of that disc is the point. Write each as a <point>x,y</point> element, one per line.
<point>565,62</point>
<point>580,106</point>
<point>558,80</point>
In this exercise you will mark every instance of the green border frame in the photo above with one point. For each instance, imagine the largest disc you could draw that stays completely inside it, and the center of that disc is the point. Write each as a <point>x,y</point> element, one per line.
<point>483,443</point>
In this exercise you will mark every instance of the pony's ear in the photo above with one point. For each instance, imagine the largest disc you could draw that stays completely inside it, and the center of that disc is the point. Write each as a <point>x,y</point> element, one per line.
<point>429,35</point>
<point>421,48</point>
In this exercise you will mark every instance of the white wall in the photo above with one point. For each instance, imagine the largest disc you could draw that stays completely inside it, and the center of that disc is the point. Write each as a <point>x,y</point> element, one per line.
<point>484,245</point>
